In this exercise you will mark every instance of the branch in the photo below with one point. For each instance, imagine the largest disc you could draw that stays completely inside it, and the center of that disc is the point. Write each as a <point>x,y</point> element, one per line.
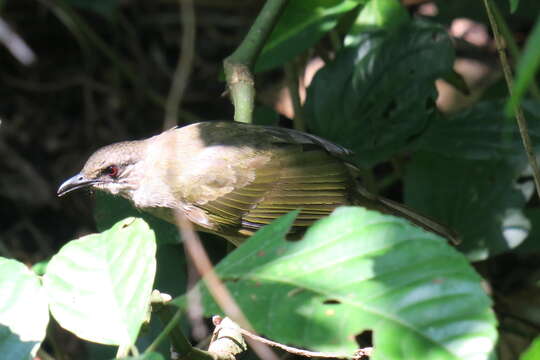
<point>217,289</point>
<point>239,64</point>
<point>218,321</point>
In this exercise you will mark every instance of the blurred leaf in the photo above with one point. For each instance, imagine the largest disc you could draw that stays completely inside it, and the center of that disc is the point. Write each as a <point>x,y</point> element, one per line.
<point>264,115</point>
<point>374,98</point>
<point>99,285</point>
<point>102,7</point>
<point>171,266</point>
<point>482,132</point>
<point>301,25</point>
<point>111,209</point>
<point>533,352</point>
<point>532,242</point>
<point>40,267</point>
<point>377,14</point>
<point>475,198</point>
<point>24,312</point>
<point>514,5</point>
<point>149,356</point>
<point>457,81</point>
<point>357,270</point>
<point>526,68</point>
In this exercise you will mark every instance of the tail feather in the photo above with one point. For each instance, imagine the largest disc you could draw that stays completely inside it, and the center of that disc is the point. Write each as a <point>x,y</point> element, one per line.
<point>391,207</point>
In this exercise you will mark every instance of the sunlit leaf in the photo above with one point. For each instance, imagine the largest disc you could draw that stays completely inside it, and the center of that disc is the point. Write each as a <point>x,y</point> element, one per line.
<point>24,314</point>
<point>99,285</point>
<point>358,270</point>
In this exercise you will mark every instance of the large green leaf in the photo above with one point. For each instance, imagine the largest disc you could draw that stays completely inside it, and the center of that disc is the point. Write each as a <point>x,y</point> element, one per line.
<point>99,285</point>
<point>476,198</point>
<point>357,270</point>
<point>375,97</point>
<point>483,133</point>
<point>24,313</point>
<point>301,25</point>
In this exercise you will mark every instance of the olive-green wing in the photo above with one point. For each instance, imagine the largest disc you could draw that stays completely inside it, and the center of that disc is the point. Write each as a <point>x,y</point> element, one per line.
<point>302,177</point>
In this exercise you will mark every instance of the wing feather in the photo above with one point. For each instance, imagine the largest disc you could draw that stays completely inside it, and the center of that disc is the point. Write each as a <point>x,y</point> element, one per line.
<point>297,177</point>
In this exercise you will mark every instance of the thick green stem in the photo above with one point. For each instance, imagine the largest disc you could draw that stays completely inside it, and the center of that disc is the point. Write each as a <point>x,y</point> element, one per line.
<point>520,117</point>
<point>239,64</point>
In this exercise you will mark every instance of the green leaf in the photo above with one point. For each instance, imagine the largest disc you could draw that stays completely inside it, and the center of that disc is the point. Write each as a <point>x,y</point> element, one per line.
<point>99,285</point>
<point>24,312</point>
<point>357,270</point>
<point>482,132</point>
<point>301,25</point>
<point>476,198</point>
<point>374,98</point>
<point>526,69</point>
<point>377,14</point>
<point>533,351</point>
<point>513,5</point>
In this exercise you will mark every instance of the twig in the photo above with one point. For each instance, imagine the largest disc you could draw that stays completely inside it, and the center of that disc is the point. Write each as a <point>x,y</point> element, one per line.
<point>520,117</point>
<point>184,65</point>
<point>239,64</point>
<point>219,292</point>
<point>302,352</point>
<point>16,44</point>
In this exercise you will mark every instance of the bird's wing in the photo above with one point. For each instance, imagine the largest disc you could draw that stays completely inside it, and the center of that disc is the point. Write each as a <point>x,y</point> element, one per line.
<point>294,176</point>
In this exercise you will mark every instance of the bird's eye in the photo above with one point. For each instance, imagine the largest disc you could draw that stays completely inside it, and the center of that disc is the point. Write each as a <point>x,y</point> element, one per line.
<point>111,171</point>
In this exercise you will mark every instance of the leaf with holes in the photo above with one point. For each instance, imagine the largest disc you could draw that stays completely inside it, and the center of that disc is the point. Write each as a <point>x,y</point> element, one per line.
<point>377,96</point>
<point>99,285</point>
<point>359,270</point>
<point>24,314</point>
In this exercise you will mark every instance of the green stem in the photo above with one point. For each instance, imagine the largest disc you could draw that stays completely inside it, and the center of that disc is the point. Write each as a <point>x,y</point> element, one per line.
<point>179,341</point>
<point>520,117</point>
<point>239,64</point>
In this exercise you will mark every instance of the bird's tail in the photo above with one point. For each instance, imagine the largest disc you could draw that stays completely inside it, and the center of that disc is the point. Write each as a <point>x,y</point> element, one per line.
<point>391,207</point>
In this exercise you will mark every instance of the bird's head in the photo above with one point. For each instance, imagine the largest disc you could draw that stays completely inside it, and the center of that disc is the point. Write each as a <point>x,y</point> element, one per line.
<point>112,168</point>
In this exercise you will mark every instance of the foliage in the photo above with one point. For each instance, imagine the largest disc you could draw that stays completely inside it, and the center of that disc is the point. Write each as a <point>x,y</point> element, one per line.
<point>356,271</point>
<point>437,307</point>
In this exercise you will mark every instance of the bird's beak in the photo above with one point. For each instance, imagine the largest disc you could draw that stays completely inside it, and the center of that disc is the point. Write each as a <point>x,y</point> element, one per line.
<point>73,183</point>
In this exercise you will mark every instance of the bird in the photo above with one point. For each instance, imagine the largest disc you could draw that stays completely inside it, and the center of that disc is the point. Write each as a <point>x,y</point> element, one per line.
<point>231,178</point>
